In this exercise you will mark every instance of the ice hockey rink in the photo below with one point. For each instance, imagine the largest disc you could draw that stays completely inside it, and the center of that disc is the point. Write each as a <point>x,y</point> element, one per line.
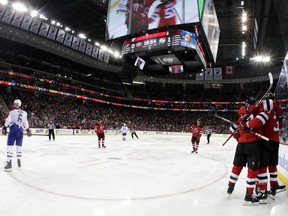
<point>155,175</point>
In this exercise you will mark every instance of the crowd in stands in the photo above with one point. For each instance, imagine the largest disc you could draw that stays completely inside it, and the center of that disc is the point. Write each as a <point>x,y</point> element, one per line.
<point>68,112</point>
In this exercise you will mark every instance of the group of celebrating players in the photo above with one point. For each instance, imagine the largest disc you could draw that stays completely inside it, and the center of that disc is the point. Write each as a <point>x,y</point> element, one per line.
<point>257,134</point>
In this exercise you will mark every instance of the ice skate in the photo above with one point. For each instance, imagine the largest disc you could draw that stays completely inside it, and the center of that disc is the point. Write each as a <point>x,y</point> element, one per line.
<point>19,163</point>
<point>250,200</point>
<point>8,167</point>
<point>276,189</point>
<point>103,146</point>
<point>262,197</point>
<point>230,189</point>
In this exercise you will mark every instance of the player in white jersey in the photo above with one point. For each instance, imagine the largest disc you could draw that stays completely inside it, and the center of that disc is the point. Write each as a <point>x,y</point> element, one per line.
<point>124,130</point>
<point>16,122</point>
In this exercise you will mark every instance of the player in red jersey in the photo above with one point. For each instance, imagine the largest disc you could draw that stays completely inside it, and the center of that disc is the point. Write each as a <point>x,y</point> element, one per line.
<point>248,152</point>
<point>136,16</point>
<point>197,131</point>
<point>165,13</point>
<point>269,117</point>
<point>100,131</point>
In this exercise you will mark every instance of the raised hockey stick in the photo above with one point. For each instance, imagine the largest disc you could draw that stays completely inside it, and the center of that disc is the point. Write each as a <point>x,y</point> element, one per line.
<point>255,133</point>
<point>177,14</point>
<point>270,86</point>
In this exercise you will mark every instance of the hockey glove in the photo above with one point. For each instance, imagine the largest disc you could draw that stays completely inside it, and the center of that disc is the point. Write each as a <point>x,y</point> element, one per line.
<point>29,133</point>
<point>243,125</point>
<point>4,130</point>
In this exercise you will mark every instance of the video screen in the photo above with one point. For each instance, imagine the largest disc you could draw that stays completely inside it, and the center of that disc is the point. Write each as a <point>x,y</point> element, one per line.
<point>176,69</point>
<point>281,91</point>
<point>188,39</point>
<point>131,16</point>
<point>211,26</point>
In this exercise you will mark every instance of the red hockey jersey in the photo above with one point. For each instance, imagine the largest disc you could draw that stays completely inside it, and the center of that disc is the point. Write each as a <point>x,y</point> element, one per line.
<point>99,129</point>
<point>166,13</point>
<point>269,123</point>
<point>243,135</point>
<point>196,130</point>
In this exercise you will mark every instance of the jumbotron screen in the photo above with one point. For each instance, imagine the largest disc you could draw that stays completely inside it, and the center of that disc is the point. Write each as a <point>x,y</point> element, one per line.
<point>131,16</point>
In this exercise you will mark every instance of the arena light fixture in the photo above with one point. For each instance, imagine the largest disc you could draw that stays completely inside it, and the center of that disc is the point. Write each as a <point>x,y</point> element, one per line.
<point>243,49</point>
<point>104,48</point>
<point>19,7</point>
<point>3,2</point>
<point>244,17</point>
<point>43,17</point>
<point>138,82</point>
<point>97,43</point>
<point>53,22</point>
<point>116,54</point>
<point>82,36</point>
<point>67,29</point>
<point>261,59</point>
<point>34,13</point>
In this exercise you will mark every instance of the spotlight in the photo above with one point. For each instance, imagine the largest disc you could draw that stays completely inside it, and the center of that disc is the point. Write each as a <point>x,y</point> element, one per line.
<point>34,13</point>
<point>3,2</point>
<point>19,7</point>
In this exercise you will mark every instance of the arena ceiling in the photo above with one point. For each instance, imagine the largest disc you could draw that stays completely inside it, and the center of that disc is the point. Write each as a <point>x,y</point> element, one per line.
<point>89,16</point>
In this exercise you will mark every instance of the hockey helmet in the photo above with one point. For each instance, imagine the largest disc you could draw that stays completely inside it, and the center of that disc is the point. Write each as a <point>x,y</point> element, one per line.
<point>250,100</point>
<point>17,103</point>
<point>270,95</point>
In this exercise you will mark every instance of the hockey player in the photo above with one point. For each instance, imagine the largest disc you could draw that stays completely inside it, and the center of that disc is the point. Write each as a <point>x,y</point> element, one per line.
<point>100,131</point>
<point>124,130</point>
<point>197,131</point>
<point>269,116</point>
<point>136,16</point>
<point>248,152</point>
<point>122,8</point>
<point>165,13</point>
<point>17,122</point>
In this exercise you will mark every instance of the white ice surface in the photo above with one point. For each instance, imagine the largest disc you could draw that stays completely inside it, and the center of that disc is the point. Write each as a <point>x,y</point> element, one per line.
<point>155,175</point>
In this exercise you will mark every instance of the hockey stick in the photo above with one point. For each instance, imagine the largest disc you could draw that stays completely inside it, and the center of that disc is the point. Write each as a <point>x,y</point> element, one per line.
<point>255,133</point>
<point>228,138</point>
<point>178,15</point>
<point>270,86</point>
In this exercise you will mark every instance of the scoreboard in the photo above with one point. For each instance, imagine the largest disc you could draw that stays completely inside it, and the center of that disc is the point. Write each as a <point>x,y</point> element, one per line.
<point>160,40</point>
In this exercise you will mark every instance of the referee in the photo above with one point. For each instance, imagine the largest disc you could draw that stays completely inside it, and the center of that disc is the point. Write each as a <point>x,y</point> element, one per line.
<point>51,128</point>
